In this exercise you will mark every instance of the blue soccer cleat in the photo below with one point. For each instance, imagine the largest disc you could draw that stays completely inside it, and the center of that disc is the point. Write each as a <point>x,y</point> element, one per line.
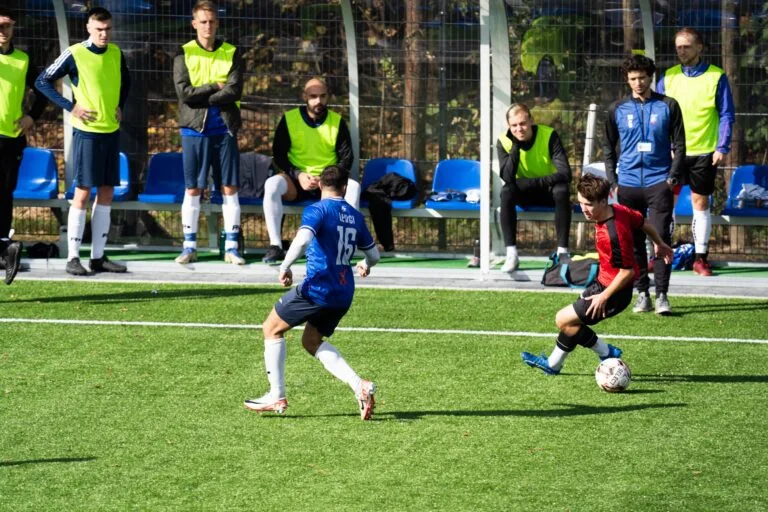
<point>613,352</point>
<point>539,362</point>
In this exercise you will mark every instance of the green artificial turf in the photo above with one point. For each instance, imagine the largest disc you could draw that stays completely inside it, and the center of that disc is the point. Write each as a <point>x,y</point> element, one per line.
<point>130,417</point>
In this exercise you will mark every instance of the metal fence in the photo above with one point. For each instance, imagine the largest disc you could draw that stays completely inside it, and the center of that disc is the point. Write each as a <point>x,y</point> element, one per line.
<point>418,65</point>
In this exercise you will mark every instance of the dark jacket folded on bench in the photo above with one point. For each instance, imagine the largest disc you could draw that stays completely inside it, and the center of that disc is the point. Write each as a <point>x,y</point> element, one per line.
<point>391,187</point>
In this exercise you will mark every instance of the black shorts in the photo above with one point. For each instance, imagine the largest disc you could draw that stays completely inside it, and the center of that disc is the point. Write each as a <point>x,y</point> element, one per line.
<point>295,309</point>
<point>301,194</point>
<point>700,174</point>
<point>617,303</point>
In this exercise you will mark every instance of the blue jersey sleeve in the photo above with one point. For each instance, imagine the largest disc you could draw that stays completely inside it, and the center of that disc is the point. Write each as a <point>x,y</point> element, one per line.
<point>312,218</point>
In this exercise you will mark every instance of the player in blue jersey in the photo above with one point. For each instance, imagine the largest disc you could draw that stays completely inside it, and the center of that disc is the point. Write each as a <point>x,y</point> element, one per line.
<point>330,232</point>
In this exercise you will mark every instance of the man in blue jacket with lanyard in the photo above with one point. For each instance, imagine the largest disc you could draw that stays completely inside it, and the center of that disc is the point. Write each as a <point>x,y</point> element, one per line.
<point>18,78</point>
<point>100,83</point>
<point>647,127</point>
<point>704,95</point>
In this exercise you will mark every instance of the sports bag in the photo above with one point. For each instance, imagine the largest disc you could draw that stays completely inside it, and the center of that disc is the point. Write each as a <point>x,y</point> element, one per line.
<point>576,272</point>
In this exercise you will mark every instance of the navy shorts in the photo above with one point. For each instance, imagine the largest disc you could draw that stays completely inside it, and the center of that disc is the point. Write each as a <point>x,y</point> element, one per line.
<point>700,174</point>
<point>615,305</point>
<point>296,309</point>
<point>218,153</point>
<point>95,159</point>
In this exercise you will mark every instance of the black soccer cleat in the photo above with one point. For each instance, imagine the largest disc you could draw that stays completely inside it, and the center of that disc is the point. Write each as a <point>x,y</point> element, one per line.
<point>76,268</point>
<point>103,264</point>
<point>12,261</point>
<point>274,255</point>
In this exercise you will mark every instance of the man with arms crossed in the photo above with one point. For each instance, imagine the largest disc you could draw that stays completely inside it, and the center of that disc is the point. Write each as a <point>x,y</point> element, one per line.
<point>705,98</point>
<point>209,83</point>
<point>307,140</point>
<point>330,231</point>
<point>100,83</point>
<point>612,292</point>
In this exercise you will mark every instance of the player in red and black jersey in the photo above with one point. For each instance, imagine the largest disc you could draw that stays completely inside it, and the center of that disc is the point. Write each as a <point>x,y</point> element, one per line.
<point>612,293</point>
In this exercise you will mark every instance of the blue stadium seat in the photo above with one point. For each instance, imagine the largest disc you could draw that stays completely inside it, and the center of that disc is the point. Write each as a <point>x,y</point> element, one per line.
<point>684,206</point>
<point>216,198</point>
<point>455,175</point>
<point>165,179</point>
<point>122,191</point>
<point>746,174</point>
<point>378,167</point>
<point>38,176</point>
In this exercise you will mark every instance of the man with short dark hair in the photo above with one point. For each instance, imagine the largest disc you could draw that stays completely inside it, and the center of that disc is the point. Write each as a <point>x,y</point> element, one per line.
<point>18,78</point>
<point>307,140</point>
<point>330,232</point>
<point>705,99</point>
<point>100,81</point>
<point>647,127</point>
<point>612,292</point>
<point>208,74</point>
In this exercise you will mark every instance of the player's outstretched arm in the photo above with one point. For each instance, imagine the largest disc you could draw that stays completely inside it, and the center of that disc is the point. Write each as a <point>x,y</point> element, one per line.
<point>372,257</point>
<point>303,237</point>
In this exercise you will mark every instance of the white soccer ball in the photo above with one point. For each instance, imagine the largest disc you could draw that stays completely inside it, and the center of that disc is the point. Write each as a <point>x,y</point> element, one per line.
<point>613,375</point>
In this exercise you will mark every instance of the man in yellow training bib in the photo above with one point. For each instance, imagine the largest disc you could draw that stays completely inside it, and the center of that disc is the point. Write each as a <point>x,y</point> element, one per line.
<point>100,83</point>
<point>18,78</point>
<point>208,74</point>
<point>307,140</point>
<point>705,98</point>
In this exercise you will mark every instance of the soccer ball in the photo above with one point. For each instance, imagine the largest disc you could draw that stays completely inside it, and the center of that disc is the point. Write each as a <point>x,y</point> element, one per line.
<point>613,375</point>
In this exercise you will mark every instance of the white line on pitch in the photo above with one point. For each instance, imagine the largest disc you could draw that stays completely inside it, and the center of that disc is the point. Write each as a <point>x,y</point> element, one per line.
<point>521,334</point>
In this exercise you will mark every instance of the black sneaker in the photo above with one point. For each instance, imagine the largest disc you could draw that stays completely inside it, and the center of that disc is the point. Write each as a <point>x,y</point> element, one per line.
<point>12,261</point>
<point>274,255</point>
<point>76,268</point>
<point>104,265</point>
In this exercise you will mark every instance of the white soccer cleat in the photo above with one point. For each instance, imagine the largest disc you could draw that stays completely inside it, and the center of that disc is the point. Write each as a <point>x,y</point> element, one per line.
<point>510,264</point>
<point>187,256</point>
<point>232,256</point>
<point>365,399</point>
<point>267,403</point>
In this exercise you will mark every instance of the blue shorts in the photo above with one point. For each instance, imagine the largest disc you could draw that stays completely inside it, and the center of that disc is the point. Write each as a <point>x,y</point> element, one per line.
<point>296,309</point>
<point>217,152</point>
<point>95,159</point>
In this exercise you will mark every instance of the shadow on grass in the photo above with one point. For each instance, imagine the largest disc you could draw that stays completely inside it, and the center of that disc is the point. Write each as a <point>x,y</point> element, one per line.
<point>147,295</point>
<point>566,410</point>
<point>715,308</point>
<point>45,461</point>
<point>718,379</point>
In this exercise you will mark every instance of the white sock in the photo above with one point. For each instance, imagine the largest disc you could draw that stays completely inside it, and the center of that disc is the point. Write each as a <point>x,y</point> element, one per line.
<point>562,250</point>
<point>511,251</point>
<point>353,194</point>
<point>75,230</point>
<point>600,348</point>
<point>230,210</point>
<point>557,358</point>
<point>100,221</point>
<point>337,366</point>
<point>702,227</point>
<point>274,362</point>
<point>274,189</point>
<point>190,216</point>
